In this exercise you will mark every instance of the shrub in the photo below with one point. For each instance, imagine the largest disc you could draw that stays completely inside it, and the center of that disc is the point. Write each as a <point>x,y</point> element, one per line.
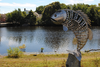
<point>22,47</point>
<point>14,52</point>
<point>42,49</point>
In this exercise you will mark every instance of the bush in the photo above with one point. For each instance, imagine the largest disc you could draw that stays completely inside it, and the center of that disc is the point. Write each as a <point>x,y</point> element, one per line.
<point>22,47</point>
<point>14,52</point>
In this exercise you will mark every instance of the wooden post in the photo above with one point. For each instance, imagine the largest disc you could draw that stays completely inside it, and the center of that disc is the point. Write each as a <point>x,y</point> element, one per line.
<point>72,61</point>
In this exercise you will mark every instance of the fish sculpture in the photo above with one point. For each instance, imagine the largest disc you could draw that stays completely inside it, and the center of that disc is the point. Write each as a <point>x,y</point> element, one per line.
<point>76,21</point>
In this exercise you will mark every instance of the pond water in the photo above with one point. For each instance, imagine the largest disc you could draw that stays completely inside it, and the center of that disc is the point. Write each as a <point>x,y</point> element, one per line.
<point>50,38</point>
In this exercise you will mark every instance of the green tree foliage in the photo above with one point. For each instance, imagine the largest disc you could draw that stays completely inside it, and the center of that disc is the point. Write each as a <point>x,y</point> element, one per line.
<point>19,17</point>
<point>92,11</point>
<point>0,18</point>
<point>40,9</point>
<point>14,52</point>
<point>64,6</point>
<point>9,17</point>
<point>16,16</point>
<point>22,19</point>
<point>31,18</point>
<point>48,11</point>
<point>0,15</point>
<point>82,7</point>
<point>94,15</point>
<point>99,4</point>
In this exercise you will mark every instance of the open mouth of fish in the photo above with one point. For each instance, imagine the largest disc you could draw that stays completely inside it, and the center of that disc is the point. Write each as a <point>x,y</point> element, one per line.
<point>53,20</point>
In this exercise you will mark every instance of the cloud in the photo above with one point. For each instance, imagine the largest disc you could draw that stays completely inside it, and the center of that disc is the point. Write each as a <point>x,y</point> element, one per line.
<point>18,5</point>
<point>0,0</point>
<point>79,1</point>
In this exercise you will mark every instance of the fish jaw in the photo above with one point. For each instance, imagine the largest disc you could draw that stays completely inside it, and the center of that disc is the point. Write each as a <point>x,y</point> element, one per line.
<point>56,22</point>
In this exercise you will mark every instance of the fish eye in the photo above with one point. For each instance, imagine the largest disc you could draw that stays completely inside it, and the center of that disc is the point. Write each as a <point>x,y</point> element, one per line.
<point>55,15</point>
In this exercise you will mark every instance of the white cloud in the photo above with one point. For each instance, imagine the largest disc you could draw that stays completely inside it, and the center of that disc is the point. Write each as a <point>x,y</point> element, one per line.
<point>79,1</point>
<point>18,5</point>
<point>52,1</point>
<point>0,0</point>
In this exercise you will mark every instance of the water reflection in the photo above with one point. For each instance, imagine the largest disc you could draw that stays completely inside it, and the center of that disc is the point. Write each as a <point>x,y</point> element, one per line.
<point>50,38</point>
<point>55,39</point>
<point>18,34</point>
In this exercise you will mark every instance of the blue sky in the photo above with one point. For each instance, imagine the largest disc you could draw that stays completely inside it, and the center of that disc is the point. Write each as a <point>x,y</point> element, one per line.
<point>10,5</point>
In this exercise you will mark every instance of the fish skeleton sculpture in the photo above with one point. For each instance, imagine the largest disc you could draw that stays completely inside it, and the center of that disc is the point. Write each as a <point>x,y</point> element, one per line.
<point>76,21</point>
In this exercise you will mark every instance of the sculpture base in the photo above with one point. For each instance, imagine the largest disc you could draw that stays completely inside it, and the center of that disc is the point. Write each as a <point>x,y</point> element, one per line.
<point>72,61</point>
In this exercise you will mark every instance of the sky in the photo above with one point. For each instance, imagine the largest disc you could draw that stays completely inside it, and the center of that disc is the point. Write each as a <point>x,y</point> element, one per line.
<point>7,6</point>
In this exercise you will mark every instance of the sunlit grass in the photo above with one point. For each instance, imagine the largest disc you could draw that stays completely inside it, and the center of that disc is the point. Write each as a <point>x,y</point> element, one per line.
<point>91,59</point>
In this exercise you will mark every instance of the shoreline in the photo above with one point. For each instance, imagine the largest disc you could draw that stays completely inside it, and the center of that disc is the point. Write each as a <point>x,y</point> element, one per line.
<point>50,53</point>
<point>9,24</point>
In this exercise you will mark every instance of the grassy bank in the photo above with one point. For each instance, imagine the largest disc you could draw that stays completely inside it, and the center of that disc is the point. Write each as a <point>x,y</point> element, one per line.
<point>91,59</point>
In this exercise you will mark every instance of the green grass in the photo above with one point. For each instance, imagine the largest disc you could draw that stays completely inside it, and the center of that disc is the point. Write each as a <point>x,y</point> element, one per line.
<point>91,59</point>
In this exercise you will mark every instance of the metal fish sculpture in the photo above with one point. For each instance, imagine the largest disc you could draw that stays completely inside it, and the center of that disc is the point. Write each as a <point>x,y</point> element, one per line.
<point>76,21</point>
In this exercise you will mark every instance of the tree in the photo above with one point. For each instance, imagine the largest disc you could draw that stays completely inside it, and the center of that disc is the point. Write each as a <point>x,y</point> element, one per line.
<point>9,17</point>
<point>74,7</point>
<point>63,6</point>
<point>31,18</point>
<point>0,18</point>
<point>23,15</point>
<point>99,4</point>
<point>93,14</point>
<point>17,17</point>
<point>0,15</point>
<point>48,11</point>
<point>40,9</point>
<point>83,7</point>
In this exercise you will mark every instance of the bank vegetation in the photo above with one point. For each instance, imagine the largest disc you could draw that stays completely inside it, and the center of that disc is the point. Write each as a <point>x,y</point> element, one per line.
<point>19,17</point>
<point>91,59</point>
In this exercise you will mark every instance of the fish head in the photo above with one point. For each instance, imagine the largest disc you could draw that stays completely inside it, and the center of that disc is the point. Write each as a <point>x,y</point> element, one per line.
<point>59,17</point>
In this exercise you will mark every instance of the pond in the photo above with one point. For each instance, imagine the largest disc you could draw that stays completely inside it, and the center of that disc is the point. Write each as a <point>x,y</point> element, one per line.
<point>52,39</point>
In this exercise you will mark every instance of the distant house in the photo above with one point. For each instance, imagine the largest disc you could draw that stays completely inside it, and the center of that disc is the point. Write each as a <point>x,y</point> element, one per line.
<point>35,13</point>
<point>3,18</point>
<point>27,11</point>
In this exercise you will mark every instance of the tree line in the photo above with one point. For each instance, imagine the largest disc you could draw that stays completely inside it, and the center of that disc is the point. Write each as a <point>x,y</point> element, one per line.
<point>93,11</point>
<point>20,17</point>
